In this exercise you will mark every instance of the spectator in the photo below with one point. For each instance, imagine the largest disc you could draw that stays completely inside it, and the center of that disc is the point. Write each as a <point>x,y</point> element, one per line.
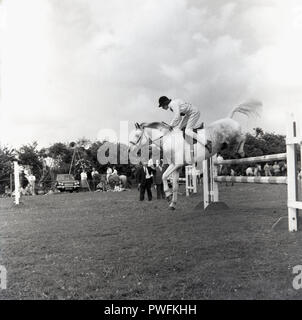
<point>32,182</point>
<point>267,170</point>
<point>249,171</point>
<point>220,167</point>
<point>114,181</point>
<point>276,169</point>
<point>84,181</point>
<point>159,180</point>
<point>50,165</point>
<point>89,178</point>
<point>225,172</point>
<point>109,173</point>
<point>23,181</point>
<point>7,191</point>
<point>257,170</point>
<point>283,168</point>
<point>144,177</point>
<point>103,184</point>
<point>95,178</point>
<point>94,172</point>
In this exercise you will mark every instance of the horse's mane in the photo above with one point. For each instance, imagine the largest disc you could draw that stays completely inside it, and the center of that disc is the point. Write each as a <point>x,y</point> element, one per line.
<point>155,125</point>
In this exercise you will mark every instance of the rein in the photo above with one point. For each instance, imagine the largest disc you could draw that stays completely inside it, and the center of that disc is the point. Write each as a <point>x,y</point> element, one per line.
<point>144,134</point>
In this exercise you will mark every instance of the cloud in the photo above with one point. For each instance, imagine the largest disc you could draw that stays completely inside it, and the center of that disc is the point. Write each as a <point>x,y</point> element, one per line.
<point>71,69</point>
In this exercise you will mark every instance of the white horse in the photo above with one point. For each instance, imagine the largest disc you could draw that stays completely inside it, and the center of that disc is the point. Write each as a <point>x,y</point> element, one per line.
<point>216,136</point>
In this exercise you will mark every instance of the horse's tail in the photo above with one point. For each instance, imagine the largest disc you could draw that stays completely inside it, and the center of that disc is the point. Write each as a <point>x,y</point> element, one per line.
<point>250,107</point>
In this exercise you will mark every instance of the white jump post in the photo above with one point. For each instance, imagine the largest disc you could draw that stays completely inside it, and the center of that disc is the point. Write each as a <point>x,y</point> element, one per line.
<point>191,180</point>
<point>292,187</point>
<point>211,178</point>
<point>17,182</point>
<point>206,187</point>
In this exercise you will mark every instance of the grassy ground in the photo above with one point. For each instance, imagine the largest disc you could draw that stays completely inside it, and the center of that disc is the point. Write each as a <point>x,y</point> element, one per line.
<point>110,246</point>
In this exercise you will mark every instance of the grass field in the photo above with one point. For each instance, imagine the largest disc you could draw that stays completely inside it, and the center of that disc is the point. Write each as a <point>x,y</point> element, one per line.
<point>111,246</point>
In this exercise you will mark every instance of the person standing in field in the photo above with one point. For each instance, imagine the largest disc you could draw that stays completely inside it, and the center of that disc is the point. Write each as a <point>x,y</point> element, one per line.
<point>159,180</point>
<point>32,183</point>
<point>108,173</point>
<point>219,159</point>
<point>276,169</point>
<point>84,181</point>
<point>257,170</point>
<point>249,171</point>
<point>144,177</point>
<point>267,170</point>
<point>95,178</point>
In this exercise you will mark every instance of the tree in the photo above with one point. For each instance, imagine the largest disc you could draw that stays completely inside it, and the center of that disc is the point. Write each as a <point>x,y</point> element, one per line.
<point>6,168</point>
<point>29,155</point>
<point>60,151</point>
<point>264,143</point>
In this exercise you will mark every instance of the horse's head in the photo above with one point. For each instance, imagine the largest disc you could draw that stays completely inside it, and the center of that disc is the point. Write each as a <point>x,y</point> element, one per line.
<point>137,137</point>
<point>145,132</point>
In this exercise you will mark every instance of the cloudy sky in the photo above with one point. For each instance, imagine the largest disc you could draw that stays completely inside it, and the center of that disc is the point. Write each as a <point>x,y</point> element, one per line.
<point>70,68</point>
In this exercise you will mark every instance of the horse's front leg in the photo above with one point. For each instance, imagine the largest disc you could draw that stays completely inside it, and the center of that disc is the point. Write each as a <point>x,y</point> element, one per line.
<point>174,190</point>
<point>166,174</point>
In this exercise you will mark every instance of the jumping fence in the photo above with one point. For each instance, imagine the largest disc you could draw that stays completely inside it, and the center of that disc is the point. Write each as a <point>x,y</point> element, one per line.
<point>211,178</point>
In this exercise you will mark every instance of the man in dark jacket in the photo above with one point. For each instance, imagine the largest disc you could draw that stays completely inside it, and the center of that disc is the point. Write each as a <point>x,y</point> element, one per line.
<point>159,180</point>
<point>145,179</point>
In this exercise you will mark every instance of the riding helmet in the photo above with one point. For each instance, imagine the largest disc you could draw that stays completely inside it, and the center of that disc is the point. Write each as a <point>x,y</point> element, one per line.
<point>163,101</point>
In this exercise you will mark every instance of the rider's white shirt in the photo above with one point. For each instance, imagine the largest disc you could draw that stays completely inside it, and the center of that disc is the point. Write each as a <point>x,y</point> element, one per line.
<point>180,108</point>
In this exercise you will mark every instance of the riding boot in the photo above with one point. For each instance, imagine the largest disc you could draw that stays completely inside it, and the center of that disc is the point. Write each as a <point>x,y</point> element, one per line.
<point>195,136</point>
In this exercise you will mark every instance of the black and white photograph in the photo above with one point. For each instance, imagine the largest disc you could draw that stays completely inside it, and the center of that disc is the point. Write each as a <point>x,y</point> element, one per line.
<point>150,150</point>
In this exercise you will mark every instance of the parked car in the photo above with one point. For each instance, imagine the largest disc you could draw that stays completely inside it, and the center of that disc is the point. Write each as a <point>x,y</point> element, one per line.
<point>67,182</point>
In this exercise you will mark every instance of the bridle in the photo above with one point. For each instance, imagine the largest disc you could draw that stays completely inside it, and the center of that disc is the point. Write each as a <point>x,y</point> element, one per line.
<point>139,139</point>
<point>144,135</point>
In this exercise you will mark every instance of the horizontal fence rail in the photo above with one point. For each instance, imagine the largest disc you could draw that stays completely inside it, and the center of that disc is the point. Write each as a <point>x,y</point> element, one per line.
<point>261,180</point>
<point>267,158</point>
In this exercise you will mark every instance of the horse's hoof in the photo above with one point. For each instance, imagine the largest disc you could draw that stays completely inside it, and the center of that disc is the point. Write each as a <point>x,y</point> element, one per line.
<point>169,198</point>
<point>172,206</point>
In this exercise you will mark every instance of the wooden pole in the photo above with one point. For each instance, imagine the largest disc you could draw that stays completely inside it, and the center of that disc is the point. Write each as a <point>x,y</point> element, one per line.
<point>214,184</point>
<point>194,178</point>
<point>17,183</point>
<point>206,191</point>
<point>72,159</point>
<point>11,184</point>
<point>187,181</point>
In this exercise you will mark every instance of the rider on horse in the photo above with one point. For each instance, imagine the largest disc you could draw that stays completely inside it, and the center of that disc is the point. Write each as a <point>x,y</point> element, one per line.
<point>186,116</point>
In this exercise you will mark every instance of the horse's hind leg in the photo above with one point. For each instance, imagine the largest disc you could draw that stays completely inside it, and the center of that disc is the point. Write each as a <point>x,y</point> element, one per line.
<point>166,174</point>
<point>240,150</point>
<point>175,189</point>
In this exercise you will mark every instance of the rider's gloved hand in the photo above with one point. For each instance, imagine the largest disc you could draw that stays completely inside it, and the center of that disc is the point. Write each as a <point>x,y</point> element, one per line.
<point>167,125</point>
